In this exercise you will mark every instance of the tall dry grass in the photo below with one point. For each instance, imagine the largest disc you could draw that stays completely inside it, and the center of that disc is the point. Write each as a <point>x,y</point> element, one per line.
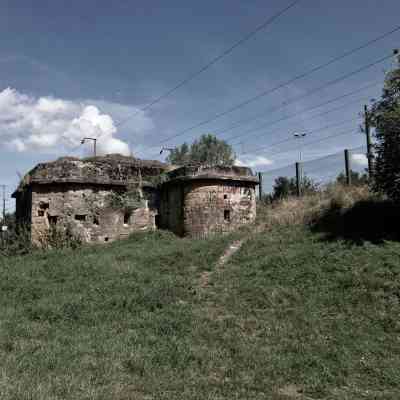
<point>308,208</point>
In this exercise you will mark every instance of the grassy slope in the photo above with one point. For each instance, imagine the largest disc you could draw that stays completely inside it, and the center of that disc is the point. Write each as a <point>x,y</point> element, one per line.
<point>289,314</point>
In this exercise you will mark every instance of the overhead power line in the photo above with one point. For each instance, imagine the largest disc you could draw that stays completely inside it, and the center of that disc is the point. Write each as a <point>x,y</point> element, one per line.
<point>290,81</point>
<point>344,105</point>
<point>329,126</point>
<point>348,94</point>
<point>213,61</point>
<point>337,80</point>
<point>313,142</point>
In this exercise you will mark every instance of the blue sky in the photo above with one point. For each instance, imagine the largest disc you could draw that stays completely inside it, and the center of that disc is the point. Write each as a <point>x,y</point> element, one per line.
<point>77,68</point>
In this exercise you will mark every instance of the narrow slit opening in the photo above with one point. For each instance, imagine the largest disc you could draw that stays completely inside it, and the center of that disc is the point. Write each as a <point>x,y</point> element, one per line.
<point>227,215</point>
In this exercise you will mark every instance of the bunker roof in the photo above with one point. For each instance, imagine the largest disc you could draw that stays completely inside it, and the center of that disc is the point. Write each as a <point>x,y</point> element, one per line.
<point>112,169</point>
<point>222,173</point>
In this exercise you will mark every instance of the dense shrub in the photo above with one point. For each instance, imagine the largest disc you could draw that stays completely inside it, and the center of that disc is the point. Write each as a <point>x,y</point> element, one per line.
<point>386,119</point>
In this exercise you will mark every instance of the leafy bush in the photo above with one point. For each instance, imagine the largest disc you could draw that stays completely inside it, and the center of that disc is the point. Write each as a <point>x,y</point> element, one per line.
<point>16,241</point>
<point>285,187</point>
<point>127,201</point>
<point>57,238</point>
<point>356,179</point>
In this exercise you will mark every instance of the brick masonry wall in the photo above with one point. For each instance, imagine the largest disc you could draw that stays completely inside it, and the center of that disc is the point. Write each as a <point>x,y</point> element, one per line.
<point>85,210</point>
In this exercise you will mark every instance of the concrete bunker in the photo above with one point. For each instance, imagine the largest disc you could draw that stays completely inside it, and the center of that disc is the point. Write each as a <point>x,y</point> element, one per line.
<point>79,194</point>
<point>106,198</point>
<point>197,201</point>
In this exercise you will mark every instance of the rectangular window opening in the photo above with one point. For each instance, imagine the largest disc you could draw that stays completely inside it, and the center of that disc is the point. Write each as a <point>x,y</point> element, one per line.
<point>40,213</point>
<point>96,220</point>
<point>80,217</point>
<point>52,219</point>
<point>225,196</point>
<point>43,205</point>
<point>227,215</point>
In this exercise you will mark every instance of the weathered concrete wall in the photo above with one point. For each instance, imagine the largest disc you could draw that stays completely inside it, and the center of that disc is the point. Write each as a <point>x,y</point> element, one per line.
<point>85,209</point>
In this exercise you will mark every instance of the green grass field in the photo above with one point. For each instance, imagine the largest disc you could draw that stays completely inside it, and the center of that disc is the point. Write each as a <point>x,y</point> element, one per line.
<point>290,315</point>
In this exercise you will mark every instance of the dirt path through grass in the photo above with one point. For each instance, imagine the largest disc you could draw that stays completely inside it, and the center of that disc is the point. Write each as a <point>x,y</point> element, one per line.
<point>230,250</point>
<point>233,248</point>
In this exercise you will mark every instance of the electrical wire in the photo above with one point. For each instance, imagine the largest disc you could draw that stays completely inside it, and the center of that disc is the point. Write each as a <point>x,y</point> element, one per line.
<point>284,104</point>
<point>258,149</point>
<point>213,61</point>
<point>315,159</point>
<point>335,81</point>
<point>290,81</point>
<point>344,105</point>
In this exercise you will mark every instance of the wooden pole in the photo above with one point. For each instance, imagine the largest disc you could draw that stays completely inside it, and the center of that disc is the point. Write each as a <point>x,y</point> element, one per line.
<point>347,167</point>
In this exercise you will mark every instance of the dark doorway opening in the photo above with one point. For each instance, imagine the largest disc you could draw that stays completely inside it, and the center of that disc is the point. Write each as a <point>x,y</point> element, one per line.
<point>127,217</point>
<point>227,215</point>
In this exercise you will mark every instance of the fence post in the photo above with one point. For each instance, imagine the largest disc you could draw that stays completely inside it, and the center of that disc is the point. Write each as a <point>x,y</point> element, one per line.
<point>347,166</point>
<point>298,179</point>
<point>260,186</point>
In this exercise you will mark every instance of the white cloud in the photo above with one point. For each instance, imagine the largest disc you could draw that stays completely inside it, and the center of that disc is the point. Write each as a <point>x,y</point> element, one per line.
<point>253,161</point>
<point>359,159</point>
<point>51,124</point>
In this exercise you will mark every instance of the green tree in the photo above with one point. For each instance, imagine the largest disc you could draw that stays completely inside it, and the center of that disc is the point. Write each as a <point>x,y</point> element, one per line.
<point>357,179</point>
<point>386,119</point>
<point>285,187</point>
<point>179,155</point>
<point>206,150</point>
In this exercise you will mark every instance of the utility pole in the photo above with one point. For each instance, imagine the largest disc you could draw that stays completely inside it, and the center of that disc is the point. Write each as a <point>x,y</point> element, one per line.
<point>347,167</point>
<point>3,222</point>
<point>260,186</point>
<point>298,179</point>
<point>299,165</point>
<point>368,135</point>
<point>4,204</point>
